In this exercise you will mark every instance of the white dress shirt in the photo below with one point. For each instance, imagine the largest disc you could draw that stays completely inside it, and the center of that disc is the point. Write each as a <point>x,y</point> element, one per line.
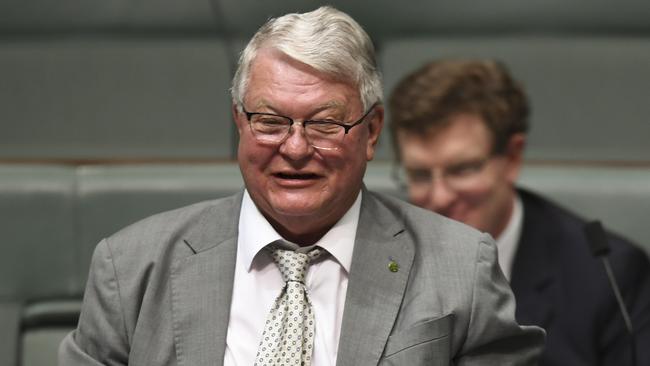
<point>508,241</point>
<point>258,282</point>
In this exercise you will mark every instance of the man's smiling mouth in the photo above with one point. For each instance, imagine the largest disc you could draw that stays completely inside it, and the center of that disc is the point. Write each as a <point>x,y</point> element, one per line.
<point>297,176</point>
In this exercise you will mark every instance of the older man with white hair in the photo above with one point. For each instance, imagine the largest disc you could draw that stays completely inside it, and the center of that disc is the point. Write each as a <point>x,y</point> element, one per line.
<point>305,266</point>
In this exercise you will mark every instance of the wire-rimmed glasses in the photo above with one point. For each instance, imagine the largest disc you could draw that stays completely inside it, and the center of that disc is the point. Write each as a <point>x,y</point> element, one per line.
<point>458,177</point>
<point>273,129</point>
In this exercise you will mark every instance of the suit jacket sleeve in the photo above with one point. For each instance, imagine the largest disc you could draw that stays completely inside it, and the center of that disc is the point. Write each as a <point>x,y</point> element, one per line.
<point>493,336</point>
<point>100,337</point>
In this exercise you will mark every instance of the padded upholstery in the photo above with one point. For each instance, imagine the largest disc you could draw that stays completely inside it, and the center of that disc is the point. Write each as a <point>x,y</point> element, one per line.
<point>381,17</point>
<point>44,324</point>
<point>116,15</point>
<point>36,212</point>
<point>150,79</point>
<point>387,18</point>
<point>74,208</point>
<point>588,95</point>
<point>619,197</point>
<point>129,98</point>
<point>39,253</point>
<point>9,331</point>
<point>40,346</point>
<point>111,197</point>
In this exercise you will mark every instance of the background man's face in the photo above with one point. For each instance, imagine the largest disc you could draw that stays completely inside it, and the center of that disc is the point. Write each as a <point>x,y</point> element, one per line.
<point>295,185</point>
<point>454,173</point>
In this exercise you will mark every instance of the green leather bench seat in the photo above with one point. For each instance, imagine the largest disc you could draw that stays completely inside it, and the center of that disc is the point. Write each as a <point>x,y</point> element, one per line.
<point>39,252</point>
<point>55,215</point>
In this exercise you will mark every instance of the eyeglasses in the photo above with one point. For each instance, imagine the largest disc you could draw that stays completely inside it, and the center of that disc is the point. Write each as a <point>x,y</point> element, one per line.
<point>458,177</point>
<point>273,129</point>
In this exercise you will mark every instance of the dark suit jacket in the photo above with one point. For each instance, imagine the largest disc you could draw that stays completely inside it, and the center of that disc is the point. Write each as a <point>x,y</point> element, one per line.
<point>560,286</point>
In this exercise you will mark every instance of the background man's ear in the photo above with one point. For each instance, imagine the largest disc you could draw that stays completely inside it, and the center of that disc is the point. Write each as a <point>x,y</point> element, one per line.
<point>515,155</point>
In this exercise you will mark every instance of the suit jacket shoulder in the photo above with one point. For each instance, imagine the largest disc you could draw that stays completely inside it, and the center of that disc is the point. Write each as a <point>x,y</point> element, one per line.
<point>560,286</point>
<point>199,226</point>
<point>448,295</point>
<point>142,303</point>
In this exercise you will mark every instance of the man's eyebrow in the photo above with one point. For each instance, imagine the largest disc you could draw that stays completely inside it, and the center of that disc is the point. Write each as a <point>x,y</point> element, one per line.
<point>417,167</point>
<point>467,160</point>
<point>330,104</point>
<point>262,104</point>
<point>450,164</point>
<point>334,107</point>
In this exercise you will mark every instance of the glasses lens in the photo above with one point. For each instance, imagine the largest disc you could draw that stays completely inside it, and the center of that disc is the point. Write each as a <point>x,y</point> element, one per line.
<point>466,175</point>
<point>273,129</point>
<point>459,177</point>
<point>269,128</point>
<point>324,135</point>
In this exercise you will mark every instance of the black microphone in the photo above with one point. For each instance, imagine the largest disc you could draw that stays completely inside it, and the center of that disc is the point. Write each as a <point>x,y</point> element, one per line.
<point>597,239</point>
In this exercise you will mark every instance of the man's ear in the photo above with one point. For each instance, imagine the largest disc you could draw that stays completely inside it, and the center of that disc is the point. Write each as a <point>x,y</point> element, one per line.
<point>375,124</point>
<point>515,155</point>
<point>236,117</point>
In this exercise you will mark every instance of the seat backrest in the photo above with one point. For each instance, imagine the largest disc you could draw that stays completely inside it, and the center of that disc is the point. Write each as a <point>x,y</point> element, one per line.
<point>36,211</point>
<point>39,253</point>
<point>116,98</point>
<point>587,93</point>
<point>619,197</point>
<point>112,197</point>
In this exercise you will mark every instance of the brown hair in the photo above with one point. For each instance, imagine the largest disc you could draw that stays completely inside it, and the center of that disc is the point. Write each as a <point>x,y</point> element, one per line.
<point>426,99</point>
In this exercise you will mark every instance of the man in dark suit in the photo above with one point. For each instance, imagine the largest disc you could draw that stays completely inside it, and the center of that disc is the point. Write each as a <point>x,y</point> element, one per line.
<point>460,130</point>
<point>304,266</point>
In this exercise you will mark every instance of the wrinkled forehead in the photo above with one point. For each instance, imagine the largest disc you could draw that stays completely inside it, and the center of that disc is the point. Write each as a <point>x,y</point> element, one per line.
<point>271,53</point>
<point>276,77</point>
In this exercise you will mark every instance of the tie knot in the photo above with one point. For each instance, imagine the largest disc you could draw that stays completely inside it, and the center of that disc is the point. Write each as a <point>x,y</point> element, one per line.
<point>293,265</point>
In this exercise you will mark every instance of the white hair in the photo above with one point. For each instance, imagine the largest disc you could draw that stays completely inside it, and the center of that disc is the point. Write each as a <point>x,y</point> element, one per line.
<point>325,39</point>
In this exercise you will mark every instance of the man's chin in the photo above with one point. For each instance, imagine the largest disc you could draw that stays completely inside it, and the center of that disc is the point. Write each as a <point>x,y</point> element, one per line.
<point>298,209</point>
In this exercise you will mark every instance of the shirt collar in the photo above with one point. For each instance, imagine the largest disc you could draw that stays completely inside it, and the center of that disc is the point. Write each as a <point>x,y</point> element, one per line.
<point>255,232</point>
<point>509,238</point>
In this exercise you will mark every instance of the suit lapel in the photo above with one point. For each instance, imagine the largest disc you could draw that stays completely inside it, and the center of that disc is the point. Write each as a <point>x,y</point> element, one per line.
<point>374,292</point>
<point>202,286</point>
<point>533,275</point>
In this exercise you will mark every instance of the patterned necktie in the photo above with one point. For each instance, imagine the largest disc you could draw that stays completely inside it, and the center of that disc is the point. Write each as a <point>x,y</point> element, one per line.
<point>288,336</point>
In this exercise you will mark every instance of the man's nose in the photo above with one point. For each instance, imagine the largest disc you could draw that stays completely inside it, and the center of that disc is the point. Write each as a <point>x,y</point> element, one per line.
<point>441,196</point>
<point>296,146</point>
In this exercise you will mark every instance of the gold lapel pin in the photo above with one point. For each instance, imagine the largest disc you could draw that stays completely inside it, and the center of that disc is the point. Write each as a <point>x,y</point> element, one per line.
<point>393,266</point>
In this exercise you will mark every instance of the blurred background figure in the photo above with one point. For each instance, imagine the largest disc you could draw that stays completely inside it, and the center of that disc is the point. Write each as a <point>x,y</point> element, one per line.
<point>460,129</point>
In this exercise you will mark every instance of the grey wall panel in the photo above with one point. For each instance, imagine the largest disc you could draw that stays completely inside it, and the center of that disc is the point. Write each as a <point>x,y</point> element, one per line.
<point>382,17</point>
<point>243,18</point>
<point>386,18</point>
<point>37,16</point>
<point>115,98</point>
<point>588,95</point>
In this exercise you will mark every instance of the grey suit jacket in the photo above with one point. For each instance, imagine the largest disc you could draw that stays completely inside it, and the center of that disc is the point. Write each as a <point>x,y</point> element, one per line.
<point>159,293</point>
